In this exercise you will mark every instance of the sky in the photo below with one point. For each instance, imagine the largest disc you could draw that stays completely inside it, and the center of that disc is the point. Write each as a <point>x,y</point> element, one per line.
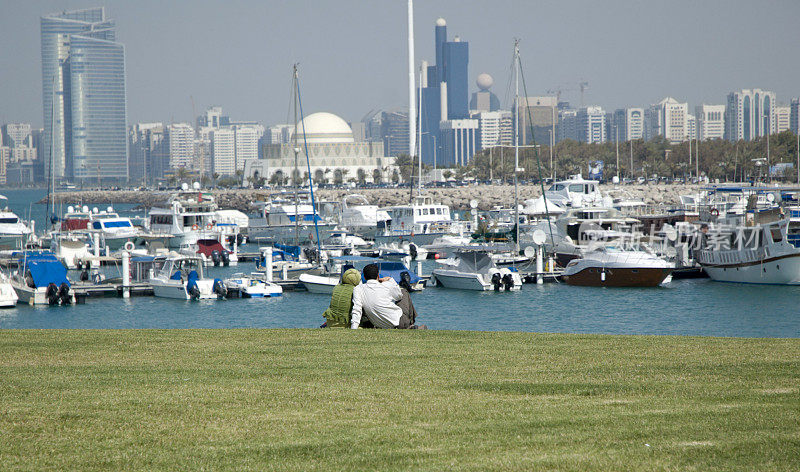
<point>353,53</point>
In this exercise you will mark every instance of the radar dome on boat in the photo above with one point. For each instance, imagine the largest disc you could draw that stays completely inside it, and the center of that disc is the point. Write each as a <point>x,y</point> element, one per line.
<point>70,209</point>
<point>95,210</point>
<point>86,209</point>
<point>184,186</point>
<point>196,185</point>
<point>110,209</point>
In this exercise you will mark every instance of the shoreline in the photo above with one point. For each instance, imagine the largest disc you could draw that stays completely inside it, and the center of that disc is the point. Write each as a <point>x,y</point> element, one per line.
<point>458,198</point>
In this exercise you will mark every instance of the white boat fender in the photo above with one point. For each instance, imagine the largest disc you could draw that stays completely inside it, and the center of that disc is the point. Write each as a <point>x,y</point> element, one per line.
<point>129,246</point>
<point>602,275</point>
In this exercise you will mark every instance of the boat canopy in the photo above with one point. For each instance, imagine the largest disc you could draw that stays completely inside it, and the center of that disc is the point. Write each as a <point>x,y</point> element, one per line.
<point>474,261</point>
<point>208,246</point>
<point>289,249</point>
<point>45,269</point>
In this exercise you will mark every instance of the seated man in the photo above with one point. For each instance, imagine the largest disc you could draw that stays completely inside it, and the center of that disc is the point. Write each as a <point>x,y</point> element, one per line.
<point>338,313</point>
<point>383,302</point>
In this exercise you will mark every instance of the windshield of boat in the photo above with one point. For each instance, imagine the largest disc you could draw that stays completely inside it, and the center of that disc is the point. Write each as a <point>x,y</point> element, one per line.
<point>8,220</point>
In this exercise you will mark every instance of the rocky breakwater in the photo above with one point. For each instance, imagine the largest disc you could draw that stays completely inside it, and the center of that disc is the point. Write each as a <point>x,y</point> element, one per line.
<point>458,198</point>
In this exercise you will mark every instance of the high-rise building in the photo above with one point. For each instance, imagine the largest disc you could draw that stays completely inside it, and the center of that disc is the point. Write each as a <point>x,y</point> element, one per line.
<point>495,128</point>
<point>591,125</point>
<point>691,127</point>
<point>149,152</point>
<point>223,151</point>
<point>445,94</point>
<point>181,145</point>
<point>794,116</point>
<point>629,123</point>
<point>710,121</point>
<point>460,142</point>
<point>484,99</point>
<point>246,144</point>
<point>83,71</point>
<point>749,113</point>
<point>539,114</point>
<point>667,118</point>
<point>568,125</point>
<point>783,114</point>
<point>394,130</point>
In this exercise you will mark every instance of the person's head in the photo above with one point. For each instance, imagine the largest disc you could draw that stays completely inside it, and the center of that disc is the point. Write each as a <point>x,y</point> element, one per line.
<point>371,272</point>
<point>351,277</point>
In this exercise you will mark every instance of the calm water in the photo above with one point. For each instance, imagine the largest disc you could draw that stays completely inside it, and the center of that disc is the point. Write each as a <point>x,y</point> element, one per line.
<point>685,307</point>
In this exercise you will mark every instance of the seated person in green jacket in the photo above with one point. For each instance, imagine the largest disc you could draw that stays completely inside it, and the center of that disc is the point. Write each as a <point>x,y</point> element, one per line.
<point>338,313</point>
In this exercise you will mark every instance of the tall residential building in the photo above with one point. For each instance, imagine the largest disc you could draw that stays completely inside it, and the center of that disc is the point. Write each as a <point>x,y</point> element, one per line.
<point>83,68</point>
<point>629,123</point>
<point>591,125</point>
<point>445,93</point>
<point>181,145</point>
<point>538,113</point>
<point>667,118</point>
<point>568,125</point>
<point>750,113</point>
<point>691,127</point>
<point>710,121</point>
<point>783,114</point>
<point>246,144</point>
<point>490,124</point>
<point>223,151</point>
<point>149,152</point>
<point>17,141</point>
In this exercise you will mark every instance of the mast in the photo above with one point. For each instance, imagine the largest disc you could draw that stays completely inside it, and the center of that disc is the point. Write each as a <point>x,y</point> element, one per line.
<point>296,151</point>
<point>419,141</point>
<point>51,184</point>
<point>516,144</point>
<point>412,109</point>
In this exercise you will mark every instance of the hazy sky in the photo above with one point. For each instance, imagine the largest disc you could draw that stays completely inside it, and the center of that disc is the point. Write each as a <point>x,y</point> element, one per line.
<point>353,54</point>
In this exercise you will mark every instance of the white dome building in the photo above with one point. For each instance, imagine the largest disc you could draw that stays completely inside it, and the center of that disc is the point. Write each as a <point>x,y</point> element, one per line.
<point>334,155</point>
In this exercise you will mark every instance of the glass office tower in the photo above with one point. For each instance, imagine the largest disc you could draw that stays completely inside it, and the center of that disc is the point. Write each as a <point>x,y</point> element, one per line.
<point>83,95</point>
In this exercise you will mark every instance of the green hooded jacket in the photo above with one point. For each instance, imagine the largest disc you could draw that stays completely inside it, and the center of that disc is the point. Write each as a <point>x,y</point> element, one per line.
<point>338,314</point>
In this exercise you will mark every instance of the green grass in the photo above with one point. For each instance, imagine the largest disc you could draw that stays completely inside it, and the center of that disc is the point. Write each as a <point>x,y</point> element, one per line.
<point>395,400</point>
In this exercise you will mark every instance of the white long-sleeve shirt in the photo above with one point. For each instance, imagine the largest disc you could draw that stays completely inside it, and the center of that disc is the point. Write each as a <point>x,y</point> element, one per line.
<point>377,300</point>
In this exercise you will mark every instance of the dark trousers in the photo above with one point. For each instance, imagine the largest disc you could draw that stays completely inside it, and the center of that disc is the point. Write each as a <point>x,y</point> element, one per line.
<point>409,316</point>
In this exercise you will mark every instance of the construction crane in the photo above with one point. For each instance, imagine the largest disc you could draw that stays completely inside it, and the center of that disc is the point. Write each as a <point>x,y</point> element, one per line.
<point>582,86</point>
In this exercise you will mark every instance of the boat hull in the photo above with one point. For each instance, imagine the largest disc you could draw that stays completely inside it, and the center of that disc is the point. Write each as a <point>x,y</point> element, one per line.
<point>618,277</point>
<point>463,281</point>
<point>783,270</point>
<point>179,292</point>
<point>319,283</point>
<point>284,234</point>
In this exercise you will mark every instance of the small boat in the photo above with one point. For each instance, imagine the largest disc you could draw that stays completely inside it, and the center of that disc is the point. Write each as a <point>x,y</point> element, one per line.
<point>8,297</point>
<point>285,258</point>
<point>252,286</point>
<point>181,277</point>
<point>476,270</point>
<point>13,230</point>
<point>41,280</point>
<point>211,252</point>
<point>404,276</point>
<point>613,266</point>
<point>359,216</point>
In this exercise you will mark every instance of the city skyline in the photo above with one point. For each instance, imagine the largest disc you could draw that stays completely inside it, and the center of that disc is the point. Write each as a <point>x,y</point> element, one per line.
<point>347,75</point>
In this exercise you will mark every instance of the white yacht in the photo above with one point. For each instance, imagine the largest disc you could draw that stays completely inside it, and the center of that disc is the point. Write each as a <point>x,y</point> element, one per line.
<point>475,270</point>
<point>286,219</point>
<point>188,216</point>
<point>13,231</point>
<point>251,286</point>
<point>576,192</point>
<point>41,280</point>
<point>757,254</point>
<point>359,216</point>
<point>8,297</point>
<point>420,222</point>
<point>182,277</point>
<point>616,266</point>
<point>114,230</point>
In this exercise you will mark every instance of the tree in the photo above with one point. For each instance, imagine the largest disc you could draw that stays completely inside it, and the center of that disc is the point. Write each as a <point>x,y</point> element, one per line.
<point>447,174</point>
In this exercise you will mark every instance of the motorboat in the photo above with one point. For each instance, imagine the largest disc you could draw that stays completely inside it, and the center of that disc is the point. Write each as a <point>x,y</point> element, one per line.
<point>115,230</point>
<point>420,222</point>
<point>8,297</point>
<point>755,253</point>
<point>325,282</point>
<point>189,215</point>
<point>41,280</point>
<point>475,270</point>
<point>211,252</point>
<point>608,265</point>
<point>182,277</point>
<point>254,285</point>
<point>359,216</point>
<point>288,217</point>
<point>287,262</point>
<point>576,192</point>
<point>71,248</point>
<point>13,231</point>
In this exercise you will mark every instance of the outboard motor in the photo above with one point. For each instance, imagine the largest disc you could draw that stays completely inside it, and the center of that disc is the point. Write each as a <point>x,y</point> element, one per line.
<point>497,280</point>
<point>220,289</point>
<point>412,250</point>
<point>78,265</point>
<point>63,294</point>
<point>215,257</point>
<point>508,282</point>
<point>85,275</point>
<point>52,294</point>
<point>191,285</point>
<point>226,258</point>
<point>405,281</point>
<point>239,239</point>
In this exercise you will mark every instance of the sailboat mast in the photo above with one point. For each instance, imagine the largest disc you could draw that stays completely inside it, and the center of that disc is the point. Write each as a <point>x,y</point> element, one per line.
<point>516,144</point>
<point>412,109</point>
<point>419,141</point>
<point>296,151</point>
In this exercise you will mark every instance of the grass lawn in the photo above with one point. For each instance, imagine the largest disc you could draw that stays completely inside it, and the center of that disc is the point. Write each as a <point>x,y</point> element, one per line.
<point>395,400</point>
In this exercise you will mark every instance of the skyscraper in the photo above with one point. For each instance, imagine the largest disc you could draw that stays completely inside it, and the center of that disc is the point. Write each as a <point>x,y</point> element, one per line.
<point>83,72</point>
<point>668,118</point>
<point>710,121</point>
<point>445,93</point>
<point>750,113</point>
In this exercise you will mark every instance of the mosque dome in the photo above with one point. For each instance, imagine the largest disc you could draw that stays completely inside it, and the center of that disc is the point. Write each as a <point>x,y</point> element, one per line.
<point>325,128</point>
<point>484,81</point>
<point>441,22</point>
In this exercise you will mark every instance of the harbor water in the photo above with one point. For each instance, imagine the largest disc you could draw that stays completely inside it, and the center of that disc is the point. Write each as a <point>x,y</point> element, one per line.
<point>682,307</point>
